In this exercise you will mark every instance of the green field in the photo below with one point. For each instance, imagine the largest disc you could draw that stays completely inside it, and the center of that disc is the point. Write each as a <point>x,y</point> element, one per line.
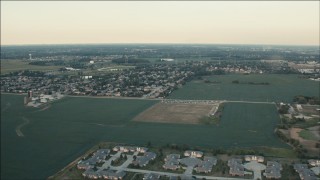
<point>58,135</point>
<point>17,65</point>
<point>281,88</point>
<point>306,134</point>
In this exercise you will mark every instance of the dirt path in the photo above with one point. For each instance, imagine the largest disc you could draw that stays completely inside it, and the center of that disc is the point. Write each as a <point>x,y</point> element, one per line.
<point>18,128</point>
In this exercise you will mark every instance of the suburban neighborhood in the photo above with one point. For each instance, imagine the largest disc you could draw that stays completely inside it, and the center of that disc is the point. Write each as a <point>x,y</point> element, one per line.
<point>190,164</point>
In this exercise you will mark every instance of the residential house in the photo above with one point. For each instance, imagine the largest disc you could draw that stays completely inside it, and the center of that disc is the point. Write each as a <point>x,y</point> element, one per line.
<point>273,170</point>
<point>236,168</point>
<point>314,162</point>
<point>197,154</point>
<point>109,174</point>
<point>254,158</point>
<point>91,174</point>
<point>151,176</point>
<point>307,174</point>
<point>172,156</point>
<point>300,167</point>
<point>206,165</point>
<point>144,160</point>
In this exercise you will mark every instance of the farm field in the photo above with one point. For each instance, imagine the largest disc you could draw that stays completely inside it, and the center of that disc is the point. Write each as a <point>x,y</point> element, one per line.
<point>59,134</point>
<point>175,113</point>
<point>281,88</point>
<point>17,65</point>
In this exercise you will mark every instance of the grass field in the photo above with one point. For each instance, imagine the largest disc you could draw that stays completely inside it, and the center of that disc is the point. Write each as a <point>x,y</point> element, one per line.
<point>58,135</point>
<point>17,65</point>
<point>306,134</point>
<point>281,88</point>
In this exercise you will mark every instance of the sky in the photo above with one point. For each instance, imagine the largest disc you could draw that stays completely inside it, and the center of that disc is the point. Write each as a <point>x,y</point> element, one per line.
<point>201,22</point>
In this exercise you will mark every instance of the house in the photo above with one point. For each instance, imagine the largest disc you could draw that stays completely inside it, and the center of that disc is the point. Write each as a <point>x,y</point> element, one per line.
<point>101,154</point>
<point>314,162</point>
<point>233,161</point>
<point>304,172</point>
<point>172,156</point>
<point>236,168</point>
<point>130,149</point>
<point>109,174</point>
<point>141,161</point>
<point>144,160</point>
<point>197,154</point>
<point>102,151</point>
<point>87,164</point>
<point>307,174</point>
<point>151,176</point>
<point>172,164</point>
<point>91,174</point>
<point>121,149</point>
<point>206,165</point>
<point>212,160</point>
<point>150,155</point>
<point>273,170</point>
<point>84,165</point>
<point>300,167</point>
<point>254,158</point>
<point>142,149</point>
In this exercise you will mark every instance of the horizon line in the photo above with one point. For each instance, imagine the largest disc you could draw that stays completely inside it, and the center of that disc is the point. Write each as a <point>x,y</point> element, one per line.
<point>172,43</point>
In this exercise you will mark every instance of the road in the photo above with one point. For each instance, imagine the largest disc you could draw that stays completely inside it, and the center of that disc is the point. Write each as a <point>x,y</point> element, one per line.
<point>143,98</point>
<point>176,174</point>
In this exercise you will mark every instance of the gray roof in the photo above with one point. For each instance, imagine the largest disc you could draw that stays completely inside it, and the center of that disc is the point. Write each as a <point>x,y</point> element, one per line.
<point>103,151</point>
<point>189,161</point>
<point>141,161</point>
<point>150,155</point>
<point>307,174</point>
<point>300,167</point>
<point>211,159</point>
<point>172,156</point>
<point>272,172</point>
<point>233,161</point>
<point>151,176</point>
<point>236,169</point>
<point>112,174</point>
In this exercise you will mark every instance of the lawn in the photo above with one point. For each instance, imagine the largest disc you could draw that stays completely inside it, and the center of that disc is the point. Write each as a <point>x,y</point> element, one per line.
<point>17,65</point>
<point>58,135</point>
<point>306,134</point>
<point>280,88</point>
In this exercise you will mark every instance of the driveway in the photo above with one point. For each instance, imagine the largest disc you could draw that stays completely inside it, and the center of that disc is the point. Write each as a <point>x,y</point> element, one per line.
<point>256,168</point>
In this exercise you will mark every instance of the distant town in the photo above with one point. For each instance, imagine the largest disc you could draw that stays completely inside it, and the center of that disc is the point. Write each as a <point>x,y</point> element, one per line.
<point>142,80</point>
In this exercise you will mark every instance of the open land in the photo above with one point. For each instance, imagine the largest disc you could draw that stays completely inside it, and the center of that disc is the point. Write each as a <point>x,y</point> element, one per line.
<point>281,88</point>
<point>17,65</point>
<point>185,113</point>
<point>83,122</point>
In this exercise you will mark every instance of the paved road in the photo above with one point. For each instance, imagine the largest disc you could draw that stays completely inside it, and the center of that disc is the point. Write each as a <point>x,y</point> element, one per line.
<point>143,98</point>
<point>175,174</point>
<point>107,163</point>
<point>253,102</point>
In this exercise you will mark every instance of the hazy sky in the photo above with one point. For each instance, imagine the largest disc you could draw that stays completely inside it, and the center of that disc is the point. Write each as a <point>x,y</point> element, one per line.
<point>239,22</point>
